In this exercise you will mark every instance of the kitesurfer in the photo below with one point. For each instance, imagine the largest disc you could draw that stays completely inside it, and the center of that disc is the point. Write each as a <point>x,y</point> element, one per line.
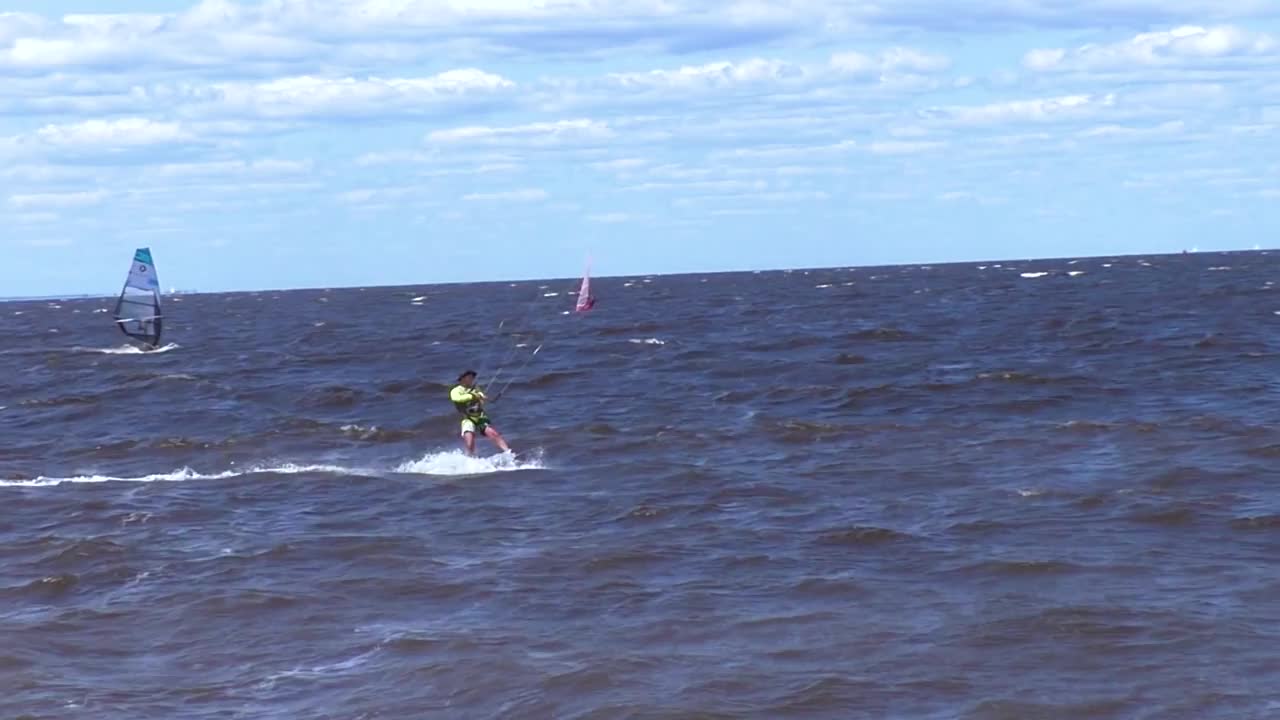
<point>469,400</point>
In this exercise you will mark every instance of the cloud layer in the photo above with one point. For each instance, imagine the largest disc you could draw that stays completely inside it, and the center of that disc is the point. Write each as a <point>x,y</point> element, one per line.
<point>658,132</point>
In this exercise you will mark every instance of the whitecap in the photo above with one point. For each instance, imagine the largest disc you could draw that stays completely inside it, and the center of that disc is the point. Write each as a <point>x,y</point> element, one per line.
<point>456,462</point>
<point>180,475</point>
<point>131,350</point>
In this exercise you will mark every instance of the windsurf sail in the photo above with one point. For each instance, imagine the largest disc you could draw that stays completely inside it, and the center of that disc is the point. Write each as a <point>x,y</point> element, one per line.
<point>586,300</point>
<point>138,309</point>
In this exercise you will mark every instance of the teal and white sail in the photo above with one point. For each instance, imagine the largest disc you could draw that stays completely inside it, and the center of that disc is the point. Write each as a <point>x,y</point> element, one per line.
<point>138,309</point>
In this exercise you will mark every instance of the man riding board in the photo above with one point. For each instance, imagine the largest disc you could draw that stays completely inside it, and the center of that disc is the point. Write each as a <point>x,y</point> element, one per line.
<point>469,400</point>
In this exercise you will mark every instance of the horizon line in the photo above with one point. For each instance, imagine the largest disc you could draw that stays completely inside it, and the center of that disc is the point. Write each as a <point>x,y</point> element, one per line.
<point>736,271</point>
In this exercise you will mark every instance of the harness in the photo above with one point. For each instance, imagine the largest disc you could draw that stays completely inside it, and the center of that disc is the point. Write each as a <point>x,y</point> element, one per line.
<point>472,410</point>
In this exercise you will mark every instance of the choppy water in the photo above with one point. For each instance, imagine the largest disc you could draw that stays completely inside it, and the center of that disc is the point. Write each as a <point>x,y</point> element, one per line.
<point>970,491</point>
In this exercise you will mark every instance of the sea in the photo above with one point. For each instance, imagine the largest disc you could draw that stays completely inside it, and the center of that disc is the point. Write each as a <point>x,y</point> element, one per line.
<point>1009,490</point>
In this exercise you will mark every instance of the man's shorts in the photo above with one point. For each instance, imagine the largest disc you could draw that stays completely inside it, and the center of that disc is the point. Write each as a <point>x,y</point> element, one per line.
<point>474,425</point>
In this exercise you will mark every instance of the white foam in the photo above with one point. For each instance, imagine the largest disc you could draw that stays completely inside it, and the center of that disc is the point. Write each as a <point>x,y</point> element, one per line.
<point>180,475</point>
<point>823,286</point>
<point>131,350</point>
<point>1074,273</point>
<point>456,463</point>
<point>360,431</point>
<point>419,299</point>
<point>648,341</point>
<point>551,294</point>
<point>1034,274</point>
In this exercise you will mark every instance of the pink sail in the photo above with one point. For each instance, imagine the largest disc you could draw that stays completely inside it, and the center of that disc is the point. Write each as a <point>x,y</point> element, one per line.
<point>585,299</point>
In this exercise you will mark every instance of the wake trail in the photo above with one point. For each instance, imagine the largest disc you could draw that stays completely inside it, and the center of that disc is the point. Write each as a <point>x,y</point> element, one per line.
<point>438,464</point>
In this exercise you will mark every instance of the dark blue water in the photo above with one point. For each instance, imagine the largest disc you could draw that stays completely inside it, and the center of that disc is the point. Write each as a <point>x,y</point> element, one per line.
<point>962,491</point>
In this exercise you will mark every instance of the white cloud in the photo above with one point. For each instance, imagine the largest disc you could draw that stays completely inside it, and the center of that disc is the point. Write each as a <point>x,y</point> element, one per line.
<point>523,195</point>
<point>268,166</point>
<point>966,196</point>
<point>722,74</point>
<point>785,152</point>
<point>621,164</point>
<point>33,201</point>
<point>122,132</point>
<point>614,218</point>
<point>1172,128</point>
<point>539,133</point>
<point>987,16</point>
<point>1064,107</point>
<point>893,60</point>
<point>121,138</point>
<point>202,37</point>
<point>703,186</point>
<point>304,35</point>
<point>767,79</point>
<point>14,25</point>
<point>904,147</point>
<point>309,96</point>
<point>384,196</point>
<point>1179,46</point>
<point>281,32</point>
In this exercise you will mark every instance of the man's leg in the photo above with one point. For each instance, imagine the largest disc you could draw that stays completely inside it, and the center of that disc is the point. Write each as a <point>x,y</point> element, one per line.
<point>469,436</point>
<point>492,433</point>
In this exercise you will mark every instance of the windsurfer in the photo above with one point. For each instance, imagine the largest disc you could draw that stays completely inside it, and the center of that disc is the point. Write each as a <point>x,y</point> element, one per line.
<point>469,401</point>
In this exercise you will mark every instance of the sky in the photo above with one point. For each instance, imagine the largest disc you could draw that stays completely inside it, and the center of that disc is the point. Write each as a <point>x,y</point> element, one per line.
<point>325,143</point>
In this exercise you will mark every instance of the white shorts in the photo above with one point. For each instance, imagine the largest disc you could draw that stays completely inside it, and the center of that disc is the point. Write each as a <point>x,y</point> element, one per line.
<point>469,426</point>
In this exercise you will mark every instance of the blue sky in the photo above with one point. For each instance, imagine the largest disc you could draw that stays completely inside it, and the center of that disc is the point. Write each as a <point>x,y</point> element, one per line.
<point>296,143</point>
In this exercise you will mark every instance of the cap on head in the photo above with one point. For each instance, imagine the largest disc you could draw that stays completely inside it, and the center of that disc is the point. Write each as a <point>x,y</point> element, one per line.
<point>468,373</point>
